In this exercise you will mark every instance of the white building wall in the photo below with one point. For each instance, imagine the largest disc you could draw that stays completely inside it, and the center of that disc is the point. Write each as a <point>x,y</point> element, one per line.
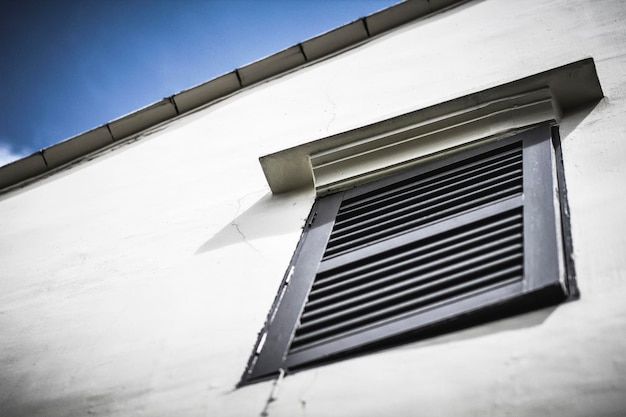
<point>136,283</point>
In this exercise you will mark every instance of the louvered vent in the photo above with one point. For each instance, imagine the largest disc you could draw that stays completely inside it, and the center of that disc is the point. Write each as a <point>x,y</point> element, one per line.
<point>421,200</point>
<point>449,243</point>
<point>413,278</point>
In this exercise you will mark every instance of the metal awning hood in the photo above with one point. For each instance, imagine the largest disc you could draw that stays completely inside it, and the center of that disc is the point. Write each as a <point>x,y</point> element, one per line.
<point>349,158</point>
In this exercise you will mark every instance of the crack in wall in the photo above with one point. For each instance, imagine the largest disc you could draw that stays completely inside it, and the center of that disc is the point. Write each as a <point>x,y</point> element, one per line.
<point>243,237</point>
<point>237,226</point>
<point>302,397</point>
<point>273,393</point>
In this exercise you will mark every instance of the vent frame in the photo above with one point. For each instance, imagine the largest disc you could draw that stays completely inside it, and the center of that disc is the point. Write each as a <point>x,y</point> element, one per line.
<point>544,276</point>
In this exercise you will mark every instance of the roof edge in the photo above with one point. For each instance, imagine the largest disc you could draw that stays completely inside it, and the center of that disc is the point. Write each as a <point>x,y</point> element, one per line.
<point>327,44</point>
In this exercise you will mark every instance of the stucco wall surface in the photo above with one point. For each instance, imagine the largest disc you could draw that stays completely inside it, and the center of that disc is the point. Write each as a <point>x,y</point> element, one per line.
<point>135,283</point>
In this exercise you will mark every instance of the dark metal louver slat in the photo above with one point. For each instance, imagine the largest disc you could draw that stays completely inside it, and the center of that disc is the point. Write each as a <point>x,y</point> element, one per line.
<point>503,154</point>
<point>352,303</point>
<point>440,262</point>
<point>331,273</point>
<point>392,198</point>
<point>369,273</point>
<point>419,201</point>
<point>429,201</point>
<point>432,194</point>
<point>434,278</point>
<point>415,304</point>
<point>427,215</point>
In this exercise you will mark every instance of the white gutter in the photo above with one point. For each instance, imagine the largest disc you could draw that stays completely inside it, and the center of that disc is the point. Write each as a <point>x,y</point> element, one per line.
<point>72,150</point>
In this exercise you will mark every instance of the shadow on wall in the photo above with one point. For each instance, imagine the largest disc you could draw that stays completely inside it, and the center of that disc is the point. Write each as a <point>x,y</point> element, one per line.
<point>487,327</point>
<point>572,119</point>
<point>117,400</point>
<point>272,215</point>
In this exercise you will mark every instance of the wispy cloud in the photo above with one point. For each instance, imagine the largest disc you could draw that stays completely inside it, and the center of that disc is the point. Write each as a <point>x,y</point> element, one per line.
<point>7,155</point>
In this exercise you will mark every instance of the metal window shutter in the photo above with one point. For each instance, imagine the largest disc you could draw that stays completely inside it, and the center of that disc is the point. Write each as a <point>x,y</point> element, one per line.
<point>457,236</point>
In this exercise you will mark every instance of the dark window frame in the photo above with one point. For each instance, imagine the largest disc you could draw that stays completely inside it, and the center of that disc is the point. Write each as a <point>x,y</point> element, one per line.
<point>548,276</point>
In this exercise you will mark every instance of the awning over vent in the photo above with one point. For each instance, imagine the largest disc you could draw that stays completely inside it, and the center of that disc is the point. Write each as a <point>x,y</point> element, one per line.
<point>342,161</point>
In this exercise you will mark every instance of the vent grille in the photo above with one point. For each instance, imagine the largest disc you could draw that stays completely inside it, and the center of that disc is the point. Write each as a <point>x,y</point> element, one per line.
<point>427,198</point>
<point>412,279</point>
<point>469,238</point>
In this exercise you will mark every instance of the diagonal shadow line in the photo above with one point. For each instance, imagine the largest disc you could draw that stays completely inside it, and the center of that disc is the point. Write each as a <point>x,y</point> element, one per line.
<point>574,118</point>
<point>271,215</point>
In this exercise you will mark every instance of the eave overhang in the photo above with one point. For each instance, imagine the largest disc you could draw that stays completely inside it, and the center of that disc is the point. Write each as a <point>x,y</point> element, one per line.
<point>60,155</point>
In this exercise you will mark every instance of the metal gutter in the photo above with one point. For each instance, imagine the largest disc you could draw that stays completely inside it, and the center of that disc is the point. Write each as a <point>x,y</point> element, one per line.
<point>64,153</point>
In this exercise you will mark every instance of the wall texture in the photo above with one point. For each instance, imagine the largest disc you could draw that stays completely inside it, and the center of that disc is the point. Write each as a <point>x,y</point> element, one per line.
<point>135,283</point>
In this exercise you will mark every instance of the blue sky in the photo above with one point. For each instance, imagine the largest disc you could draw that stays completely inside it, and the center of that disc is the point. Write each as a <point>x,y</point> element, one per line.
<point>67,66</point>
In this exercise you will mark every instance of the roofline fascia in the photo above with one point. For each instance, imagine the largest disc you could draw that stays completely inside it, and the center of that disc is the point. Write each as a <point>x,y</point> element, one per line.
<point>70,151</point>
